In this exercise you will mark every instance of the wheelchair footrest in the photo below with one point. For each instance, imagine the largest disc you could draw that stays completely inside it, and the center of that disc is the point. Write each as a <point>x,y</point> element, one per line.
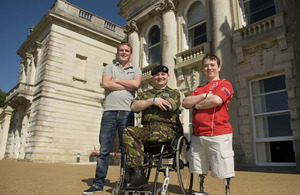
<point>133,192</point>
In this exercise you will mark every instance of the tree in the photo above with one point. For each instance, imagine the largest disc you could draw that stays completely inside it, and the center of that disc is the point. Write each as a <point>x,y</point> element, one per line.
<point>2,97</point>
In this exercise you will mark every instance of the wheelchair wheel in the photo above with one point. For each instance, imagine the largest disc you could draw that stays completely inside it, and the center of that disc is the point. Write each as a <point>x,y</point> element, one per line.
<point>117,189</point>
<point>159,192</point>
<point>185,178</point>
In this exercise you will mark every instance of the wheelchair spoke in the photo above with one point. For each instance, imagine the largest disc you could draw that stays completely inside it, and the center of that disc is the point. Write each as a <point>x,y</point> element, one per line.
<point>185,178</point>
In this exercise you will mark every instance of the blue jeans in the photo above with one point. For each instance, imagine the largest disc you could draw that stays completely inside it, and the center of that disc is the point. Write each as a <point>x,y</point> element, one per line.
<point>111,122</point>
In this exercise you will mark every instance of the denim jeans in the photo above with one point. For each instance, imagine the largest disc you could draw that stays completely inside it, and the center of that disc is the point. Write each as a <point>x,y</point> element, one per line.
<point>112,121</point>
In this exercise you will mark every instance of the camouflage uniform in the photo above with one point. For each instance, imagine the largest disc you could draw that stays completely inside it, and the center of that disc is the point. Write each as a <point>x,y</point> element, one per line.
<point>158,125</point>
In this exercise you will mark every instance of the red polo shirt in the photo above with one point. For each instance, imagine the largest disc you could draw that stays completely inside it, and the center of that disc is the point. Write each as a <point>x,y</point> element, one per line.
<point>213,121</point>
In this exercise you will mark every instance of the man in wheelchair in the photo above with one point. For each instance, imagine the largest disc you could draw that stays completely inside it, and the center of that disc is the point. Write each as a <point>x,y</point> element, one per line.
<point>160,108</point>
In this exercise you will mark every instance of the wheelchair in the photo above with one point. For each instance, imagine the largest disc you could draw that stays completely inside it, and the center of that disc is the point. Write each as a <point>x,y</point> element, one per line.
<point>165,157</point>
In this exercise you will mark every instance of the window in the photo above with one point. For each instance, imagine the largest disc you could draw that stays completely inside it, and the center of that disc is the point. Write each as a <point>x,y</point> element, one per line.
<point>196,24</point>
<point>79,69</point>
<point>154,45</point>
<point>257,10</point>
<point>271,121</point>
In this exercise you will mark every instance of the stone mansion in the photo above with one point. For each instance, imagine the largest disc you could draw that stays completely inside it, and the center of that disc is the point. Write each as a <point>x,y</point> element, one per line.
<point>55,109</point>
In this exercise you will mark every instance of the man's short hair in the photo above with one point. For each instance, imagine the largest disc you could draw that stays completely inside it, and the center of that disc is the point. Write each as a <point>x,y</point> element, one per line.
<point>212,57</point>
<point>125,43</point>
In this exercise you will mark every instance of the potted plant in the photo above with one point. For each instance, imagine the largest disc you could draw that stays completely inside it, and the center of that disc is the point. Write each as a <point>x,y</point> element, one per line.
<point>93,155</point>
<point>114,158</point>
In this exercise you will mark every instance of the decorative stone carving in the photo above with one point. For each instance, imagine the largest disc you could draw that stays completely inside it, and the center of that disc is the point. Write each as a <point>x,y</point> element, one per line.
<point>31,29</point>
<point>166,5</point>
<point>29,59</point>
<point>262,63</point>
<point>193,79</point>
<point>180,76</point>
<point>281,38</point>
<point>131,27</point>
<point>261,47</point>
<point>239,54</point>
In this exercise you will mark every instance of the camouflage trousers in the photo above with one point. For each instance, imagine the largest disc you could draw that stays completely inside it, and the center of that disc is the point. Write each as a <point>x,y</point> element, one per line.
<point>133,138</point>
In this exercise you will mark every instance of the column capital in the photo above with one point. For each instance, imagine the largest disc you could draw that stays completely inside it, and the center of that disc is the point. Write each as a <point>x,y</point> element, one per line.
<point>166,5</point>
<point>132,26</point>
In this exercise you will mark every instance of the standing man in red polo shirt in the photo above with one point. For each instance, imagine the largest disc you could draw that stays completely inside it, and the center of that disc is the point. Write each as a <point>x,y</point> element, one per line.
<point>211,142</point>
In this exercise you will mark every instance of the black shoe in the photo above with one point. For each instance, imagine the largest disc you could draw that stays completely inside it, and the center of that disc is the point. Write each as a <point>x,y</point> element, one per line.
<point>93,189</point>
<point>137,179</point>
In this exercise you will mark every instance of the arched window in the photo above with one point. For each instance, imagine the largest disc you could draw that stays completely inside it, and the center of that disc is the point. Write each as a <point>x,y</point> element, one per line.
<point>196,23</point>
<point>154,45</point>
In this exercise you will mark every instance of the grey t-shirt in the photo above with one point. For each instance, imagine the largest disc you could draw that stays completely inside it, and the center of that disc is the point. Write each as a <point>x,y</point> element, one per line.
<point>120,99</point>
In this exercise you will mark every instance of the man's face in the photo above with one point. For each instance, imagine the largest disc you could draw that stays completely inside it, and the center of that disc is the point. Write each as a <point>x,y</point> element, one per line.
<point>161,79</point>
<point>124,53</point>
<point>211,69</point>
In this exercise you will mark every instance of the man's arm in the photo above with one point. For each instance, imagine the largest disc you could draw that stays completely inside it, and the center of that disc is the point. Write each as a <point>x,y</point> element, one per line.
<point>120,84</point>
<point>139,105</point>
<point>109,84</point>
<point>190,101</point>
<point>221,94</point>
<point>129,84</point>
<point>209,102</point>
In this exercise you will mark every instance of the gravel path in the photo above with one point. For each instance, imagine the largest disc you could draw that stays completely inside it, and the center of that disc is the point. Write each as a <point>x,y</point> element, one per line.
<point>18,177</point>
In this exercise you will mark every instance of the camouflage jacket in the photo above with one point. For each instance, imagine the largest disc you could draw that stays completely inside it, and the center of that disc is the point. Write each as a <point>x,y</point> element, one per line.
<point>154,114</point>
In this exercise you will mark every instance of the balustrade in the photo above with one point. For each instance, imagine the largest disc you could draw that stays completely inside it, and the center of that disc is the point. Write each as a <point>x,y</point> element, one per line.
<point>147,70</point>
<point>190,54</point>
<point>259,27</point>
<point>85,15</point>
<point>109,26</point>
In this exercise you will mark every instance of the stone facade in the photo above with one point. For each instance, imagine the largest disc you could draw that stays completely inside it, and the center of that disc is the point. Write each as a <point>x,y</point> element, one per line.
<point>249,51</point>
<point>58,99</point>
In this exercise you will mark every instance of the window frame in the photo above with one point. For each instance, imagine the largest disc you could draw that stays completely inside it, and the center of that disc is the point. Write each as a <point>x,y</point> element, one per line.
<point>190,40</point>
<point>149,47</point>
<point>268,140</point>
<point>248,14</point>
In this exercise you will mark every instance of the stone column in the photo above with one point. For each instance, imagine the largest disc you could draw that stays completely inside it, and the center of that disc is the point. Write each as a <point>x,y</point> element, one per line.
<point>5,117</point>
<point>133,38</point>
<point>221,35</point>
<point>169,38</point>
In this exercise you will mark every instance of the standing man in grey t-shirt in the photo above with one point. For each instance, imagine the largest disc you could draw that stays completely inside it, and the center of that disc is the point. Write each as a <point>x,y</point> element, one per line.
<point>120,81</point>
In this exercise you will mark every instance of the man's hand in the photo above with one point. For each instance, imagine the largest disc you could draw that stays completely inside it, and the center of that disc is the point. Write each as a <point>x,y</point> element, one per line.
<point>163,104</point>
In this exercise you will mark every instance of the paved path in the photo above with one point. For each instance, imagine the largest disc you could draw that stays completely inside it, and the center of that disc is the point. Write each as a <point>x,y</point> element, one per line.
<point>24,178</point>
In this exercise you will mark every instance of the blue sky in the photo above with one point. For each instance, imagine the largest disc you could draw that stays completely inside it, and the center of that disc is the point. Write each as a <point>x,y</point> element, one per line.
<point>16,16</point>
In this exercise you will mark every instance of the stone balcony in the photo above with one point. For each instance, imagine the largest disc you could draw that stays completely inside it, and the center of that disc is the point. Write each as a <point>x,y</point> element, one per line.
<point>146,71</point>
<point>190,59</point>
<point>188,64</point>
<point>186,57</point>
<point>269,28</point>
<point>20,94</point>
